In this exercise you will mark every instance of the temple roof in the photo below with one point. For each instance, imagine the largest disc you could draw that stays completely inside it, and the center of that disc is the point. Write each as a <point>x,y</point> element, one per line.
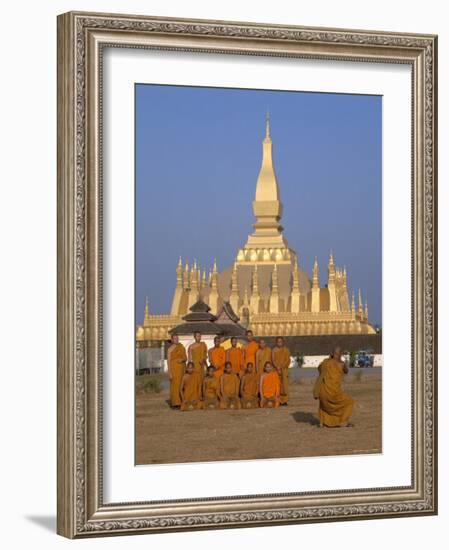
<point>200,312</point>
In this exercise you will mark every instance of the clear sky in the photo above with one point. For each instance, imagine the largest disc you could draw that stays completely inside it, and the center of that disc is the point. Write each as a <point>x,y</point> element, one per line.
<point>198,154</point>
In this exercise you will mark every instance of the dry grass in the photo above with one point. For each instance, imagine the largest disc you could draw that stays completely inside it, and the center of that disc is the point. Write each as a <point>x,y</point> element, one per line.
<point>164,435</point>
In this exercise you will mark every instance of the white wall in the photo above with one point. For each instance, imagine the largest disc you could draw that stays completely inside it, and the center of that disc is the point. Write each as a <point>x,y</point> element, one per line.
<point>28,274</point>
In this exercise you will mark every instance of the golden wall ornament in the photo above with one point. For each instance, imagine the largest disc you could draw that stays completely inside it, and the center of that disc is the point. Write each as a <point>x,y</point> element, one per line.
<point>81,39</point>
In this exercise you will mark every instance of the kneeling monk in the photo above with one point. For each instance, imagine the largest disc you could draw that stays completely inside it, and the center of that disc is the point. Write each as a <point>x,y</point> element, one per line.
<point>229,389</point>
<point>191,389</point>
<point>211,389</point>
<point>270,387</point>
<point>249,388</point>
<point>335,405</point>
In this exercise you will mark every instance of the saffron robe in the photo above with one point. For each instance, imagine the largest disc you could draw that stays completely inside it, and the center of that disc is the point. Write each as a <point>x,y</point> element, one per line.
<point>281,360</point>
<point>250,351</point>
<point>270,387</point>
<point>249,390</point>
<point>211,392</point>
<point>335,406</point>
<point>262,356</point>
<point>191,386</point>
<point>198,355</point>
<point>176,359</point>
<point>235,356</point>
<point>217,358</point>
<point>229,391</point>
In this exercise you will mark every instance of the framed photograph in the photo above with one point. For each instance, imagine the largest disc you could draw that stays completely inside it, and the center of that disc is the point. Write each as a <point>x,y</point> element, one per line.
<point>246,274</point>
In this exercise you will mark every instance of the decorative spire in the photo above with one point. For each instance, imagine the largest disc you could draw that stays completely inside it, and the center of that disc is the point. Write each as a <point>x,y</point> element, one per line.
<point>360,303</point>
<point>214,277</point>
<point>234,296</point>
<point>179,274</point>
<point>186,276</point>
<point>345,278</point>
<point>331,268</point>
<point>315,283</point>
<point>255,281</point>
<point>194,278</point>
<point>366,310</point>
<point>353,303</point>
<point>295,285</point>
<point>146,315</point>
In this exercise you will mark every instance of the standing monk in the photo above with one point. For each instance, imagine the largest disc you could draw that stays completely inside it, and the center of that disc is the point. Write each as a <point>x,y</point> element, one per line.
<point>229,389</point>
<point>235,356</point>
<point>191,389</point>
<point>217,357</point>
<point>249,388</point>
<point>198,354</point>
<point>263,356</point>
<point>176,360</point>
<point>281,360</point>
<point>270,387</point>
<point>335,405</point>
<point>250,349</point>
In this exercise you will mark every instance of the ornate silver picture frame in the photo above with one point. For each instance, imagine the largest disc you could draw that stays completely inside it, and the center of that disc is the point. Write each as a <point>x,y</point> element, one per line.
<point>82,39</point>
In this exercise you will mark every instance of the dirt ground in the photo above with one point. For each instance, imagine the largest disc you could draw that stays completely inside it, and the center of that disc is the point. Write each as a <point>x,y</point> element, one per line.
<point>165,436</point>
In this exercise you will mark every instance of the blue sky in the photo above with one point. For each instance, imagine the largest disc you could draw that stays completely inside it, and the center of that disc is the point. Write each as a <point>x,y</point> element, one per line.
<point>198,154</point>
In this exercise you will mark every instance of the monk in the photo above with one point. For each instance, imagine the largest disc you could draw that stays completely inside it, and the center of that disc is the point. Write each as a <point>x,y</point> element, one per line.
<point>280,356</point>
<point>191,389</point>
<point>229,389</point>
<point>217,357</point>
<point>270,387</point>
<point>176,360</point>
<point>250,349</point>
<point>235,356</point>
<point>211,389</point>
<point>263,356</point>
<point>249,388</point>
<point>197,354</point>
<point>335,406</point>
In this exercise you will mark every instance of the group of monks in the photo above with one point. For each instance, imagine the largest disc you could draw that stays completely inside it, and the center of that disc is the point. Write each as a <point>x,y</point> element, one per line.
<point>250,376</point>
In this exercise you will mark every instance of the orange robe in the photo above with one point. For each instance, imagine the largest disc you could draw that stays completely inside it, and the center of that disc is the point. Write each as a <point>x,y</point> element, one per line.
<point>249,390</point>
<point>229,391</point>
<point>281,360</point>
<point>270,387</point>
<point>236,357</point>
<point>176,359</point>
<point>191,384</point>
<point>198,355</point>
<point>217,358</point>
<point>335,406</point>
<point>262,356</point>
<point>250,351</point>
<point>211,392</point>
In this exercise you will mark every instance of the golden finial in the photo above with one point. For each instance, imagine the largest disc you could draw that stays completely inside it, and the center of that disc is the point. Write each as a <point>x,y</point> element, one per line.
<point>146,316</point>
<point>267,125</point>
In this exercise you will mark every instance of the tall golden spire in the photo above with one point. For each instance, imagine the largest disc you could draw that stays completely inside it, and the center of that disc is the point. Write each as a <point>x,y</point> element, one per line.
<point>315,305</point>
<point>179,273</point>
<point>186,276</point>
<point>274,296</point>
<point>213,294</point>
<point>266,244</point>
<point>234,297</point>
<point>255,296</point>
<point>315,283</point>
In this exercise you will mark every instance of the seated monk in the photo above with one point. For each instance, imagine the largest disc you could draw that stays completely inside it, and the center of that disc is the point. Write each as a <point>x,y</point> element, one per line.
<point>249,388</point>
<point>335,406</point>
<point>211,389</point>
<point>191,389</point>
<point>229,389</point>
<point>235,356</point>
<point>270,387</point>
<point>217,357</point>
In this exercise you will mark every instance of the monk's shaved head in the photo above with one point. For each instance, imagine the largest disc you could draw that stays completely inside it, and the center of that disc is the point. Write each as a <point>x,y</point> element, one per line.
<point>336,353</point>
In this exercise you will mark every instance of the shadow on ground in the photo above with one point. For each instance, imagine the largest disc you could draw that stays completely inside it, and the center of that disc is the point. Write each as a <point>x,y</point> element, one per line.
<point>305,418</point>
<point>46,522</point>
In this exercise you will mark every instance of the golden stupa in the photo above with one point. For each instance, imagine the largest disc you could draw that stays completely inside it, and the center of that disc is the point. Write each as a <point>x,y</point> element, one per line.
<point>265,287</point>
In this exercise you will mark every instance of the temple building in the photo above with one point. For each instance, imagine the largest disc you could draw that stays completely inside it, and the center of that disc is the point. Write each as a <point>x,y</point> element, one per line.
<point>266,287</point>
